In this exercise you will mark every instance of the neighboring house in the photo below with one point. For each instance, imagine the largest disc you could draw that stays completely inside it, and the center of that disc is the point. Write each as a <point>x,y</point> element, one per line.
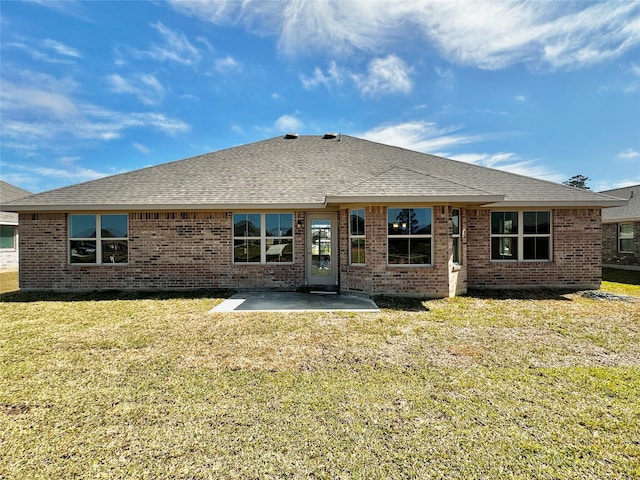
<point>621,230</point>
<point>9,227</point>
<point>332,211</point>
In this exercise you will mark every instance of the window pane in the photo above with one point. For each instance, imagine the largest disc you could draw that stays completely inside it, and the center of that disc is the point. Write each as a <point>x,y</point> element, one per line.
<point>82,226</point>
<point>357,251</point>
<point>626,230</point>
<point>455,221</point>
<point>504,248</point>
<point>279,224</point>
<point>626,245</point>
<point>504,222</point>
<point>536,248</point>
<point>7,236</point>
<point>83,251</point>
<point>398,251</point>
<point>456,249</point>
<point>420,250</point>
<point>357,222</point>
<point>420,221</point>
<point>115,251</point>
<point>246,251</point>
<point>398,221</point>
<point>246,225</point>
<point>536,223</point>
<point>114,226</point>
<point>280,250</point>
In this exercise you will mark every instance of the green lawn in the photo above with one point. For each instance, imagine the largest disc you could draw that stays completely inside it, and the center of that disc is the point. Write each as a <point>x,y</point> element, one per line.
<point>152,386</point>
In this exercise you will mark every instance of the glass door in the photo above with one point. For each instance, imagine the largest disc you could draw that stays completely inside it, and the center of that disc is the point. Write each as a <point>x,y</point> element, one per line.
<point>321,258</point>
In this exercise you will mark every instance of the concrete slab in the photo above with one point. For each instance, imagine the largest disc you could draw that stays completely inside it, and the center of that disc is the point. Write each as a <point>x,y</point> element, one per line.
<point>294,302</point>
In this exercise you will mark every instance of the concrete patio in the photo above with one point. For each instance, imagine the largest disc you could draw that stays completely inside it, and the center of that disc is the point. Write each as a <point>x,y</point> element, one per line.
<point>295,302</point>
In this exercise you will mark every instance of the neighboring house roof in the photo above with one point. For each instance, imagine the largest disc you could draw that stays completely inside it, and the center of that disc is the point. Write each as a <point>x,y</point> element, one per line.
<point>629,212</point>
<point>10,193</point>
<point>309,172</point>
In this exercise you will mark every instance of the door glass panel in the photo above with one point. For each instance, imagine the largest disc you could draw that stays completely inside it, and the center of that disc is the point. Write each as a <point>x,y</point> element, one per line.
<point>321,247</point>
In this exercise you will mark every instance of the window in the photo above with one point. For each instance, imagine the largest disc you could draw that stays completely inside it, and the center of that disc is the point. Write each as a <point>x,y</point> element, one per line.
<point>409,236</point>
<point>263,238</point>
<point>8,237</point>
<point>455,234</point>
<point>521,235</point>
<point>625,237</point>
<point>99,239</point>
<point>357,237</point>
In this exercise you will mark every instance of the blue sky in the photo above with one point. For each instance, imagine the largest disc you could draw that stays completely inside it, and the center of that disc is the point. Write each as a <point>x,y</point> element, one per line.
<point>546,89</point>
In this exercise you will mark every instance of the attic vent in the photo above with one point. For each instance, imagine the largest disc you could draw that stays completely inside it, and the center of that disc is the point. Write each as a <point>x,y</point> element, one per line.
<point>330,135</point>
<point>290,136</point>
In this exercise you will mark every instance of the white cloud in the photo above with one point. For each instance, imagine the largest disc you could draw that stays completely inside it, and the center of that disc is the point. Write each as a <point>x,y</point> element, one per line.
<point>288,124</point>
<point>176,47</point>
<point>421,136</point>
<point>333,76</point>
<point>227,65</point>
<point>67,171</point>
<point>141,148</point>
<point>385,76</point>
<point>628,154</point>
<point>486,34</point>
<point>145,87</point>
<point>520,98</point>
<point>237,129</point>
<point>61,48</point>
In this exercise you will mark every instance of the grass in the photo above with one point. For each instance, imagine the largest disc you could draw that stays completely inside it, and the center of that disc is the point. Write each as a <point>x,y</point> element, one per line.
<point>152,386</point>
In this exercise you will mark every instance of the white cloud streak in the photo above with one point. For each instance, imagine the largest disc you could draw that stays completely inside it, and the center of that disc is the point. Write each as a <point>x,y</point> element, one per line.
<point>144,87</point>
<point>288,124</point>
<point>628,154</point>
<point>176,47</point>
<point>487,34</point>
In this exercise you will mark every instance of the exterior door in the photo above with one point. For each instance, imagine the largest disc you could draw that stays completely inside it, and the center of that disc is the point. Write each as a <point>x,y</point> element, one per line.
<point>321,249</point>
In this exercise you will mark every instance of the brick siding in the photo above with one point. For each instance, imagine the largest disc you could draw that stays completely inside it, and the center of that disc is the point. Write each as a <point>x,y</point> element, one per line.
<point>183,250</point>
<point>610,253</point>
<point>576,262</point>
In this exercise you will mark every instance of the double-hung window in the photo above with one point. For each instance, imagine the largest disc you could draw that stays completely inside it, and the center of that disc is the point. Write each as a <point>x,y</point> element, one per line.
<point>357,237</point>
<point>409,236</point>
<point>99,239</point>
<point>263,238</point>
<point>521,236</point>
<point>625,237</point>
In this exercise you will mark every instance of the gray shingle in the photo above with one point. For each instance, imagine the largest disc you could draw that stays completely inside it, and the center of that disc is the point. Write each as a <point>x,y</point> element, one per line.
<point>628,212</point>
<point>304,172</point>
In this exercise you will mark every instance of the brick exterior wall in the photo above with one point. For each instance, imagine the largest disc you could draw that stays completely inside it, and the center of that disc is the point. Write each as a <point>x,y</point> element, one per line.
<point>186,250</point>
<point>576,262</point>
<point>611,255</point>
<point>171,250</point>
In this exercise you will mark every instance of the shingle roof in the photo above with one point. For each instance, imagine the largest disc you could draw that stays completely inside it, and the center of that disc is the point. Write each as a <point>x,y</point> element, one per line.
<point>628,212</point>
<point>10,193</point>
<point>308,172</point>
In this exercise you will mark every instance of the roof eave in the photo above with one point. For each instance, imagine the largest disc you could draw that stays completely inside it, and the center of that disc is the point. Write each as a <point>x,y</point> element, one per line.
<point>387,199</point>
<point>560,203</point>
<point>164,207</point>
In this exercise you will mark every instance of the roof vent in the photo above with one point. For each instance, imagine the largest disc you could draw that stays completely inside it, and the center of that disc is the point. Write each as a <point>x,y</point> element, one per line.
<point>330,135</point>
<point>290,136</point>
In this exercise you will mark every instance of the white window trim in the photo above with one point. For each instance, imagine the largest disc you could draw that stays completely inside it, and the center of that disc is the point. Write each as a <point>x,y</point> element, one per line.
<point>98,239</point>
<point>625,237</point>
<point>15,238</point>
<point>430,236</point>
<point>357,237</point>
<point>263,238</point>
<point>521,236</point>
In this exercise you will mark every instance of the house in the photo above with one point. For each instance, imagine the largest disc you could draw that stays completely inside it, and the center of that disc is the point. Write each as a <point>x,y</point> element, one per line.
<point>621,230</point>
<point>9,227</point>
<point>333,212</point>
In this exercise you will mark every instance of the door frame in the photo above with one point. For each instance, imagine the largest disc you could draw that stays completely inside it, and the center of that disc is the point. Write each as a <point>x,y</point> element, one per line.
<point>332,279</point>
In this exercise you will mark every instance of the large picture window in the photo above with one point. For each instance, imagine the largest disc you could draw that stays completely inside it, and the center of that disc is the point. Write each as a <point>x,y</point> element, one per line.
<point>357,237</point>
<point>625,237</point>
<point>521,236</point>
<point>409,236</point>
<point>99,239</point>
<point>263,238</point>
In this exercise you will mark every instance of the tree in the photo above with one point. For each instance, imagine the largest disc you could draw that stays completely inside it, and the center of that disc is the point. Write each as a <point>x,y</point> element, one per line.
<point>578,181</point>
